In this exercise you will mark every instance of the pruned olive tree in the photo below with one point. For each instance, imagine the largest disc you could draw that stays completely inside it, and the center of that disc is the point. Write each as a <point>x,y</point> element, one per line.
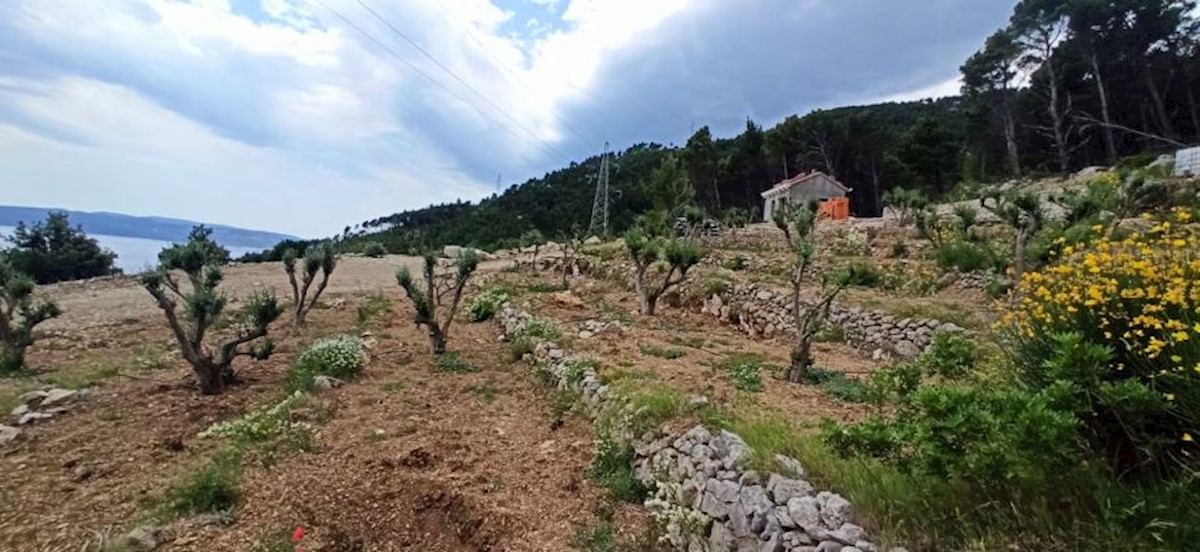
<point>317,259</point>
<point>906,203</point>
<point>436,286</point>
<point>799,225</point>
<point>572,244</point>
<point>200,259</point>
<point>19,313</point>
<point>534,239</point>
<point>1022,210</point>
<point>677,255</point>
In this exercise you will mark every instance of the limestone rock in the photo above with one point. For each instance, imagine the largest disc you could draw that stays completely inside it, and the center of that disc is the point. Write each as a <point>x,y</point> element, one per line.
<point>8,433</point>
<point>327,382</point>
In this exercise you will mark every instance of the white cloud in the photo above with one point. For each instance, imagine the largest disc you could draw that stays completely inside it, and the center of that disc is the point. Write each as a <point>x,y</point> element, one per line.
<point>197,110</point>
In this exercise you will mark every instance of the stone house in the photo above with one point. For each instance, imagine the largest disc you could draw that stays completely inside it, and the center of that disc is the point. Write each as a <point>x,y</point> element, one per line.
<point>801,189</point>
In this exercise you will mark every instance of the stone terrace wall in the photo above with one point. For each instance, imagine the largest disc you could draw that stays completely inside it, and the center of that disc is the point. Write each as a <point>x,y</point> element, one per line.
<point>761,312</point>
<point>706,495</point>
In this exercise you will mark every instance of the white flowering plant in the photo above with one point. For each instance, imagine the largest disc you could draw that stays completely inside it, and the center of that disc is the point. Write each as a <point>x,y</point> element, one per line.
<point>340,357</point>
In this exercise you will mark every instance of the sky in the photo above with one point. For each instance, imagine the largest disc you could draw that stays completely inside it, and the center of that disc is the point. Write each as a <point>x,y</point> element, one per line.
<point>304,116</point>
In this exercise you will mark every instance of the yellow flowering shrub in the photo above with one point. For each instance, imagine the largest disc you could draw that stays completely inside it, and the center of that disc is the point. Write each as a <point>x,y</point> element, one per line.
<point>1135,302</point>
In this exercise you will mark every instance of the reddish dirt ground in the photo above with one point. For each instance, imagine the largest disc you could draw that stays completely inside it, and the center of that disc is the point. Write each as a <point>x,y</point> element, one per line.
<point>410,459</point>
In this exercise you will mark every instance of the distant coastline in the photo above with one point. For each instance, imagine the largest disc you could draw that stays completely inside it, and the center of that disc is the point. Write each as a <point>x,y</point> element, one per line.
<point>158,229</point>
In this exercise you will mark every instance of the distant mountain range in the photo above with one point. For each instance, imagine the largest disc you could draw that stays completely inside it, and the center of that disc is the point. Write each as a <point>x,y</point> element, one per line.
<point>151,228</point>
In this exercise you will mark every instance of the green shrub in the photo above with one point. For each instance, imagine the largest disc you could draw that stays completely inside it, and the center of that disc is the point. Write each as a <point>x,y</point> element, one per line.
<point>540,328</point>
<point>519,347</point>
<point>859,273</point>
<point>662,352</point>
<point>985,436</point>
<point>717,283</point>
<point>745,371</point>
<point>612,468</point>
<point>576,369</point>
<point>736,264</point>
<point>951,355</point>
<point>484,306</point>
<point>340,357</point>
<point>451,362</point>
<point>831,333</point>
<point>838,386</point>
<point>375,305</point>
<point>213,489</point>
<point>374,249</point>
<point>965,257</point>
<point>899,249</point>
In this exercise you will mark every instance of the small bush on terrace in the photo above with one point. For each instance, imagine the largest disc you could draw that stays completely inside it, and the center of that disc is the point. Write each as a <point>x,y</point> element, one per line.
<point>540,328</point>
<point>373,306</point>
<point>212,489</point>
<point>662,352</point>
<point>859,273</point>
<point>374,249</point>
<point>965,256</point>
<point>484,306</point>
<point>19,313</point>
<point>745,371</point>
<point>340,357</point>
<point>452,363</point>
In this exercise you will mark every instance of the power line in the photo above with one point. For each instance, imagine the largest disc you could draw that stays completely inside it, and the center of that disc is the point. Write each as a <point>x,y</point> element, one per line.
<point>513,76</point>
<point>462,81</point>
<point>433,80</point>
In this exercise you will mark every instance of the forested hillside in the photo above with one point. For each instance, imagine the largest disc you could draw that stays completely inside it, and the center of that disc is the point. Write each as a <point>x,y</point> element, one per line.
<point>1066,84</point>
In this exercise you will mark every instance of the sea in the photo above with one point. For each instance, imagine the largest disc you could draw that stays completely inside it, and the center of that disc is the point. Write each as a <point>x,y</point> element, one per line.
<point>136,254</point>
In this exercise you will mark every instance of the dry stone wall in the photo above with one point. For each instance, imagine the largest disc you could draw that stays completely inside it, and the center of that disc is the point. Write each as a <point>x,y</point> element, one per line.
<point>762,312</point>
<point>707,497</point>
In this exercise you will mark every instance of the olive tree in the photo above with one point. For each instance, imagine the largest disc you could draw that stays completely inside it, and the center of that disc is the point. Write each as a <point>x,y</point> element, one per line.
<point>199,260</point>
<point>534,239</point>
<point>678,256</point>
<point>19,313</point>
<point>572,244</point>
<point>320,258</point>
<point>906,203</point>
<point>1020,210</point>
<point>437,285</point>
<point>799,225</point>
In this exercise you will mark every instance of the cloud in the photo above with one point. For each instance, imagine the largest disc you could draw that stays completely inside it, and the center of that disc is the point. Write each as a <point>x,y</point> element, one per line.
<point>278,114</point>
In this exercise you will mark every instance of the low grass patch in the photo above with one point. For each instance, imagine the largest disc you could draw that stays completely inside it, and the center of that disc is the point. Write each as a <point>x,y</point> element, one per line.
<point>540,328</point>
<point>545,287</point>
<point>486,392</point>
<point>392,386</point>
<point>152,358</point>
<point>598,536</point>
<point>693,342</point>
<point>80,378</point>
<point>745,371</point>
<point>519,347</point>
<point>373,307</point>
<point>838,386</point>
<point>452,362</point>
<point>662,352</point>
<point>212,489</point>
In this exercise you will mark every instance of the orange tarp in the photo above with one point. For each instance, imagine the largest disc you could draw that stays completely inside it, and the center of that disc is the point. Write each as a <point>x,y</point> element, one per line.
<point>837,208</point>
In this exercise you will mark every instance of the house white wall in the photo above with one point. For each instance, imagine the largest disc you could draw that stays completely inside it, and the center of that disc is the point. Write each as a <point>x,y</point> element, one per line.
<point>818,187</point>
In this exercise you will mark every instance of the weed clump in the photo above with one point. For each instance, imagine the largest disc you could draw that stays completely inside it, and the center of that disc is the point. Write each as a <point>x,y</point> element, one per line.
<point>662,352</point>
<point>484,306</point>
<point>213,489</point>
<point>745,371</point>
<point>452,363</point>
